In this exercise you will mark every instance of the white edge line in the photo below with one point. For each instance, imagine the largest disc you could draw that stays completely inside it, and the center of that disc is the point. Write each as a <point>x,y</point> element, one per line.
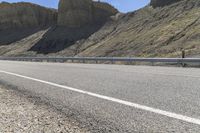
<point>137,106</point>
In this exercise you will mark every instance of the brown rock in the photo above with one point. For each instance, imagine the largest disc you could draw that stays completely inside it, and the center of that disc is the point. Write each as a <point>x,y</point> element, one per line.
<point>74,13</point>
<point>102,11</point>
<point>77,13</point>
<point>25,15</point>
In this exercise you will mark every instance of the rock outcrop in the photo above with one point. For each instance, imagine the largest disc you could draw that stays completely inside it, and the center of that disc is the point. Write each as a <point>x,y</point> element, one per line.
<point>25,15</point>
<point>148,32</point>
<point>78,13</point>
<point>161,3</point>
<point>74,13</point>
<point>102,11</point>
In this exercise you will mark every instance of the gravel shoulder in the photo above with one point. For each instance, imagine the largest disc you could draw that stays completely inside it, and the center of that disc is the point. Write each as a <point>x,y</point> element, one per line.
<point>24,114</point>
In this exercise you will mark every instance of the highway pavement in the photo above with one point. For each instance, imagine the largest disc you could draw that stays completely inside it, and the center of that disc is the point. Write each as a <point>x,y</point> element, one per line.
<point>113,98</point>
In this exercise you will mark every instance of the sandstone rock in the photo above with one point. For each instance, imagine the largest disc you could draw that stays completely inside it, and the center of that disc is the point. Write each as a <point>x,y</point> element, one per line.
<point>74,13</point>
<point>102,11</point>
<point>25,15</point>
<point>77,13</point>
<point>160,3</point>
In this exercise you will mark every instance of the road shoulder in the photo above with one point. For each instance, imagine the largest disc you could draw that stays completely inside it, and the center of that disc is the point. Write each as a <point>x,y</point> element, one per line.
<point>22,113</point>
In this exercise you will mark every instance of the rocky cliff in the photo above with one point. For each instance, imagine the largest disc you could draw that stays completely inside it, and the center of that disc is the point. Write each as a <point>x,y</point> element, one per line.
<point>74,13</point>
<point>79,13</point>
<point>25,15</point>
<point>148,32</point>
<point>102,11</point>
<point>77,20</point>
<point>74,20</point>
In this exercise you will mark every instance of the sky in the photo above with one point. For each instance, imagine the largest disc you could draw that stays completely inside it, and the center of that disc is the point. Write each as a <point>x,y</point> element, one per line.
<point>121,5</point>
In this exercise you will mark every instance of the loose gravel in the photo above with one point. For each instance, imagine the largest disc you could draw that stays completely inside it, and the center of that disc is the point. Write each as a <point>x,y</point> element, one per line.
<point>20,113</point>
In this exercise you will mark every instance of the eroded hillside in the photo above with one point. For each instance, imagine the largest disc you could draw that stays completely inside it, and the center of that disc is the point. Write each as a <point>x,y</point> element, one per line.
<point>153,31</point>
<point>148,32</point>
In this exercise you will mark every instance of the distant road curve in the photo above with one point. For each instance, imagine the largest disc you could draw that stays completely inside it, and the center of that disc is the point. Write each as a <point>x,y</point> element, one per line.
<point>112,97</point>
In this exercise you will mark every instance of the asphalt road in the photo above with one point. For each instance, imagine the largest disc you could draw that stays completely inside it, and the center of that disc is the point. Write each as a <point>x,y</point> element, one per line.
<point>114,98</point>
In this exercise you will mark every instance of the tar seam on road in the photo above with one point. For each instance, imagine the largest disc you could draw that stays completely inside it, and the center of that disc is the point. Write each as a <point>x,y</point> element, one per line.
<point>127,103</point>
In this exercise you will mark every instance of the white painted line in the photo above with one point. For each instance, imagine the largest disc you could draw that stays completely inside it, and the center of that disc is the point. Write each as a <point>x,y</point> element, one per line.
<point>135,105</point>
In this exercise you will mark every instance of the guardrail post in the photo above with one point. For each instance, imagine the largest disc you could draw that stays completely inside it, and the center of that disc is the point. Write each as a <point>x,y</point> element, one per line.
<point>183,56</point>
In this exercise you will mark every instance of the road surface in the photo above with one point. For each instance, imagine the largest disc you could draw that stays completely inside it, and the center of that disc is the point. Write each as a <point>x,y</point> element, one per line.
<point>114,98</point>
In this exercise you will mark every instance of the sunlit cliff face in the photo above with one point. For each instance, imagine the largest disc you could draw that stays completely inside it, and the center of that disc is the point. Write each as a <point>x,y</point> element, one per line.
<point>78,13</point>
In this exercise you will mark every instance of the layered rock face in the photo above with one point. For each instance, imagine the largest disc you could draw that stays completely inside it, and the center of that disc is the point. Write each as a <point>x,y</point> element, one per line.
<point>25,15</point>
<point>148,32</point>
<point>160,3</point>
<point>77,20</point>
<point>74,13</point>
<point>71,13</point>
<point>77,13</point>
<point>102,11</point>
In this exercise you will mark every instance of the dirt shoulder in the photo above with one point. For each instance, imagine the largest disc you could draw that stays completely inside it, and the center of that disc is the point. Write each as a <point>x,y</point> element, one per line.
<point>22,113</point>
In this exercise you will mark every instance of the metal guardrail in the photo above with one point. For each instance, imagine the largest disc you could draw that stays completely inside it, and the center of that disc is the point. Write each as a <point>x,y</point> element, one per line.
<point>105,59</point>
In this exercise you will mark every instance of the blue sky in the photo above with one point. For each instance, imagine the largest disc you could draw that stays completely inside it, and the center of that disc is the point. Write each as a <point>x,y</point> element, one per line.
<point>122,5</point>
